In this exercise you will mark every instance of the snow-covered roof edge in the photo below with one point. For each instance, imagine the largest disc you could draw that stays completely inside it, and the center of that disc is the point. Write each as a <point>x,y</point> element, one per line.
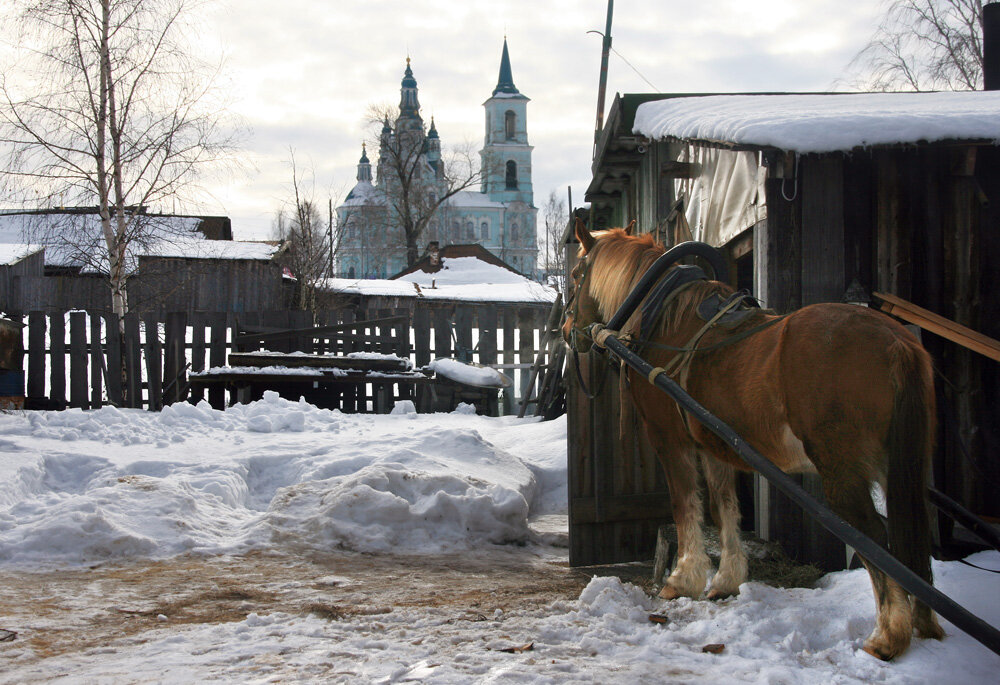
<point>818,123</point>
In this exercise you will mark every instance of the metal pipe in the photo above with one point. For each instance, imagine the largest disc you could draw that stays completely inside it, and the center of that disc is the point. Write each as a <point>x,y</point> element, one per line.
<point>973,523</point>
<point>945,606</point>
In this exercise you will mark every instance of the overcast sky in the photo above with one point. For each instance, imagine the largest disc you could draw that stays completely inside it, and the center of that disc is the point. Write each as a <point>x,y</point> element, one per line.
<point>303,72</point>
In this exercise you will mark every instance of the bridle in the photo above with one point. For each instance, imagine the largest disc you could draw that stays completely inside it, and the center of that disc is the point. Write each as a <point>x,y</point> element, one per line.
<point>576,332</point>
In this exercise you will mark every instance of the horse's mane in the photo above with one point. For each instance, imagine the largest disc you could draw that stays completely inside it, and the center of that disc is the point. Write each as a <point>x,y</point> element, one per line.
<point>616,253</point>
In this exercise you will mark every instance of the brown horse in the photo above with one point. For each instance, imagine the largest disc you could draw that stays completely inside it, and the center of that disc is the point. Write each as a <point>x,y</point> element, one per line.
<point>833,389</point>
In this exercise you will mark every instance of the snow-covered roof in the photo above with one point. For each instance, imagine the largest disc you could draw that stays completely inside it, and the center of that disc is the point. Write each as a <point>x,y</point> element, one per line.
<point>11,253</point>
<point>471,199</point>
<point>463,279</point>
<point>363,193</point>
<point>825,122</point>
<point>199,248</point>
<point>170,236</point>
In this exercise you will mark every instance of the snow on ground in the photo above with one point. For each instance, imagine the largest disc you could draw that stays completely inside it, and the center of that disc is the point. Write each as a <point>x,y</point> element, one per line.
<point>112,487</point>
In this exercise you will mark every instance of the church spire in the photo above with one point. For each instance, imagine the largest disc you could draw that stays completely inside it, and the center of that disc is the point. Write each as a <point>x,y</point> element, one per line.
<point>505,82</point>
<point>409,105</point>
<point>364,166</point>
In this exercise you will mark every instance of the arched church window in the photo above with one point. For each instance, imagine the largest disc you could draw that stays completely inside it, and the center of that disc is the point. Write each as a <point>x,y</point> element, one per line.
<point>484,230</point>
<point>350,272</point>
<point>511,175</point>
<point>456,231</point>
<point>470,231</point>
<point>510,124</point>
<point>515,233</point>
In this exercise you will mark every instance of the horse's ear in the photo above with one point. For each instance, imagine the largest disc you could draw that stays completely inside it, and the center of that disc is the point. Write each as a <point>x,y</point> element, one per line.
<point>628,229</point>
<point>583,235</point>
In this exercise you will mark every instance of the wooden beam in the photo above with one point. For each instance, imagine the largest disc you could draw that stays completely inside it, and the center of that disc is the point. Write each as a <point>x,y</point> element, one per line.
<point>939,325</point>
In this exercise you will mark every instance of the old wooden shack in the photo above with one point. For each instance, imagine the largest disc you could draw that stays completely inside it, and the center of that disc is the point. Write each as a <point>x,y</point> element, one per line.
<point>813,198</point>
<point>187,263</point>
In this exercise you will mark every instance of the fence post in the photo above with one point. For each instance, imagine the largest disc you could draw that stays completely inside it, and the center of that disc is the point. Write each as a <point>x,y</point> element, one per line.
<point>78,360</point>
<point>463,333</point>
<point>116,386</point>
<point>97,363</point>
<point>57,358</point>
<point>175,379</point>
<point>154,363</point>
<point>217,357</point>
<point>197,353</point>
<point>133,361</point>
<point>36,354</point>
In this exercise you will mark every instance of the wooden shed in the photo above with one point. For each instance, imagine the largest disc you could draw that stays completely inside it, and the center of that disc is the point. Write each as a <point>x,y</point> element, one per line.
<point>187,263</point>
<point>825,197</point>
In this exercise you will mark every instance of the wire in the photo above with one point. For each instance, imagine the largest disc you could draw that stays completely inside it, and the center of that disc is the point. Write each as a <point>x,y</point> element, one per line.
<point>655,89</point>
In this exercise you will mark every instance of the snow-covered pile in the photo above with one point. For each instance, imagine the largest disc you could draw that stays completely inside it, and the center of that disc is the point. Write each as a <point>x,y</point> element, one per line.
<point>464,271</point>
<point>823,123</point>
<point>460,278</point>
<point>79,486</point>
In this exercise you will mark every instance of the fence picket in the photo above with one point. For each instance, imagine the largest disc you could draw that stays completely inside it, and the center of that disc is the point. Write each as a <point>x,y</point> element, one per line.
<point>154,364</point>
<point>100,363</point>
<point>133,361</point>
<point>36,354</point>
<point>113,376</point>
<point>57,358</point>
<point>96,362</point>
<point>78,360</point>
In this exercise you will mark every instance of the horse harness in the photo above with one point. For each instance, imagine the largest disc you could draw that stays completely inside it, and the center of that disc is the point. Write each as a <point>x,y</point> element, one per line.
<point>715,311</point>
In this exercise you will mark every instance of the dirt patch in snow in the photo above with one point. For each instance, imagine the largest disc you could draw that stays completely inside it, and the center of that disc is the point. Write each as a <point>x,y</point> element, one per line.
<point>62,611</point>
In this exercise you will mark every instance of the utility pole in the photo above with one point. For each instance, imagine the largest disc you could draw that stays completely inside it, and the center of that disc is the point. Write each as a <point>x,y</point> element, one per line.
<point>602,87</point>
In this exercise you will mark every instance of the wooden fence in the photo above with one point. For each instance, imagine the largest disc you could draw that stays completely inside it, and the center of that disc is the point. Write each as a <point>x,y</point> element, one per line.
<point>75,358</point>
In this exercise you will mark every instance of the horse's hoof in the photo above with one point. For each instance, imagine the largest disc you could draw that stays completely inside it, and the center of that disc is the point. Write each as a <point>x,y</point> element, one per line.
<point>876,653</point>
<point>669,592</point>
<point>882,651</point>
<point>715,595</point>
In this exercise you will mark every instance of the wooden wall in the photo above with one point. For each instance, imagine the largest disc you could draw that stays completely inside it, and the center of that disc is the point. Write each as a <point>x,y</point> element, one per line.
<point>161,285</point>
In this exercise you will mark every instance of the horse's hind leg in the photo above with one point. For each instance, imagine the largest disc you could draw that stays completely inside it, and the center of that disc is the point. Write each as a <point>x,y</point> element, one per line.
<point>850,496</point>
<point>720,479</point>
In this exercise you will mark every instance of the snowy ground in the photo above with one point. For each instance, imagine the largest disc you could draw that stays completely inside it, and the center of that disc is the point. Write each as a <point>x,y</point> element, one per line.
<point>277,542</point>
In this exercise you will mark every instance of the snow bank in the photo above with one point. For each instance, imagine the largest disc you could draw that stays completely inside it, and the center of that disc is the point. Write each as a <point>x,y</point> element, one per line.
<point>79,486</point>
<point>479,376</point>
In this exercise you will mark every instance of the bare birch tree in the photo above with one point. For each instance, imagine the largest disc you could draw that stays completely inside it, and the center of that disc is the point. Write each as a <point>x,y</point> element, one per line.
<point>556,219</point>
<point>923,45</point>
<point>106,105</point>
<point>307,236</point>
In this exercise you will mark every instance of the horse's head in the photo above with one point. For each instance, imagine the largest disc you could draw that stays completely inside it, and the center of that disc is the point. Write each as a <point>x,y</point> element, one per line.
<point>582,309</point>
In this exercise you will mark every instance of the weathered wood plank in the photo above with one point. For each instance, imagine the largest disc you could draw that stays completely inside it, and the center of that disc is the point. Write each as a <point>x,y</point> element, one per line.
<point>37,326</point>
<point>422,336</point>
<point>174,360</point>
<point>153,351</point>
<point>97,362</point>
<point>113,377</point>
<point>217,356</point>
<point>133,362</point>
<point>78,360</point>
<point>57,357</point>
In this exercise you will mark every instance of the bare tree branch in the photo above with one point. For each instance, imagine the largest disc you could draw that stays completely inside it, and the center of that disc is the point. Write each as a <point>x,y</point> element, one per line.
<point>923,45</point>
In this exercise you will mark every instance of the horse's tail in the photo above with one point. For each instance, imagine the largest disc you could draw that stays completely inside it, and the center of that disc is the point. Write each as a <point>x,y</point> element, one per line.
<point>909,445</point>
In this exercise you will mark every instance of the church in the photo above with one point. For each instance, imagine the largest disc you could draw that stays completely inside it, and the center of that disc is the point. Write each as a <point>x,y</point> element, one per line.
<point>413,186</point>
